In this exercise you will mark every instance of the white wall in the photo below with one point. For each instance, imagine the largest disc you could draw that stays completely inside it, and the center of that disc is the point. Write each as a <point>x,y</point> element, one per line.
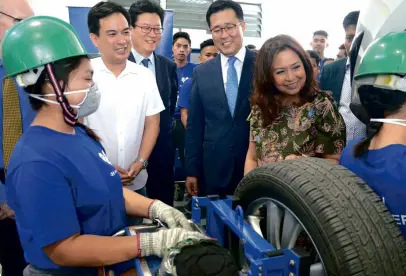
<point>58,8</point>
<point>299,18</point>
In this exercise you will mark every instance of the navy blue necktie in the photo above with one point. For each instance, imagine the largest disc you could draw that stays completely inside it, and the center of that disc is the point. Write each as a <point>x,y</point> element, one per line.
<point>145,62</point>
<point>232,85</point>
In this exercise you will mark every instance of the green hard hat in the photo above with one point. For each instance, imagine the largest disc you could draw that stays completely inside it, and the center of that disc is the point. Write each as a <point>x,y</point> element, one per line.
<point>385,55</point>
<point>38,41</point>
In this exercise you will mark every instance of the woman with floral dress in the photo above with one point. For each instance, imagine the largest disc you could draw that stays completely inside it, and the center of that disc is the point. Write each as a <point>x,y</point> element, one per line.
<point>290,117</point>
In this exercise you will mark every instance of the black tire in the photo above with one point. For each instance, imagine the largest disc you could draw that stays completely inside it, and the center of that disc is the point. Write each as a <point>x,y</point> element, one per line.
<point>351,227</point>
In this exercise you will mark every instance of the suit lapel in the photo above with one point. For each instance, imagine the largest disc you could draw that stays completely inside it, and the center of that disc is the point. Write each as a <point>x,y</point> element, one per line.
<point>131,57</point>
<point>158,76</point>
<point>340,74</point>
<point>244,88</point>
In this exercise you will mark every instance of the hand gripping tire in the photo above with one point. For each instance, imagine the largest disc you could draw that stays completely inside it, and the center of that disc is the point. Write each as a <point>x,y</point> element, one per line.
<point>350,228</point>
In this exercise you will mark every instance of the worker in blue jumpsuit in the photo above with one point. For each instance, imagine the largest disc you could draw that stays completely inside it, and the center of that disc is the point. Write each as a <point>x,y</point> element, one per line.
<point>67,196</point>
<point>380,159</point>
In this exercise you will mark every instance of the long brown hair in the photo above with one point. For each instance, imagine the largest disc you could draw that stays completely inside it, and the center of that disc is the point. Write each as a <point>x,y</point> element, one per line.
<point>264,87</point>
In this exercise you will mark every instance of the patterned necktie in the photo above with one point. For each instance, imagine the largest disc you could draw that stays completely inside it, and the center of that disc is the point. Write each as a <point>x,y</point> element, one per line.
<point>232,85</point>
<point>145,62</point>
<point>12,121</point>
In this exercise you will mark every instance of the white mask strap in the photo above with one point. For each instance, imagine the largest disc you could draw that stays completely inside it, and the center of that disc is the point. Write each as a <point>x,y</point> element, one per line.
<point>66,93</point>
<point>399,122</point>
<point>40,97</point>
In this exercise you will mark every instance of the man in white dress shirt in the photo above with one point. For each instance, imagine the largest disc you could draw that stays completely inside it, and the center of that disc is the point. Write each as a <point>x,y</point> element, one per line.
<point>127,120</point>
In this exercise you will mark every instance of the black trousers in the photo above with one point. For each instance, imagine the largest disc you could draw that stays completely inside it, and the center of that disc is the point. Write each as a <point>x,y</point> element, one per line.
<point>11,253</point>
<point>178,138</point>
<point>223,191</point>
<point>160,183</point>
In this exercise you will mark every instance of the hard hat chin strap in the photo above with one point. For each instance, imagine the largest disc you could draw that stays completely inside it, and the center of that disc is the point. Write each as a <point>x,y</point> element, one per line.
<point>69,113</point>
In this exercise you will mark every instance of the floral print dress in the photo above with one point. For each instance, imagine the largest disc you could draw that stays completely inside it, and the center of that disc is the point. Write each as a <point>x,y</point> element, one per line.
<point>314,129</point>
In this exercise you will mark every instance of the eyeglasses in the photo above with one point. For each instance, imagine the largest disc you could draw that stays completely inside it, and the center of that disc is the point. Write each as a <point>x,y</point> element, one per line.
<point>229,28</point>
<point>14,18</point>
<point>147,29</point>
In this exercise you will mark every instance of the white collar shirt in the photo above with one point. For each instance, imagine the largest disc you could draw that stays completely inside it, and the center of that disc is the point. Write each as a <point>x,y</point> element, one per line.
<point>125,102</point>
<point>238,65</point>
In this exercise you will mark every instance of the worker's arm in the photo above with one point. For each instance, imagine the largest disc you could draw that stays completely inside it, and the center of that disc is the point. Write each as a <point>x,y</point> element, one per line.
<point>92,251</point>
<point>251,161</point>
<point>183,116</point>
<point>184,100</point>
<point>136,205</point>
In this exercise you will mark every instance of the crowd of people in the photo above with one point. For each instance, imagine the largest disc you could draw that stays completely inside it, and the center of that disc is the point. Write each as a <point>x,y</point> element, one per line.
<point>99,134</point>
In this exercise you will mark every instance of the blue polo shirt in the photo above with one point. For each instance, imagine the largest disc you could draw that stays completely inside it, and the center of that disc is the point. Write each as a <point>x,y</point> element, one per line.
<point>27,116</point>
<point>184,94</point>
<point>61,184</point>
<point>384,170</point>
<point>184,73</point>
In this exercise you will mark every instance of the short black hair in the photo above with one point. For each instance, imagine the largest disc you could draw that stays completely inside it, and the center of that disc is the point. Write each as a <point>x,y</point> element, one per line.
<point>145,6</point>
<point>251,47</point>
<point>315,55</point>
<point>102,10</point>
<point>320,32</point>
<point>206,43</point>
<point>221,5</point>
<point>342,47</point>
<point>184,35</point>
<point>351,19</point>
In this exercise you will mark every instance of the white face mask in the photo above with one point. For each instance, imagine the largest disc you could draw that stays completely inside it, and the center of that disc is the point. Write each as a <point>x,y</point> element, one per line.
<point>391,121</point>
<point>88,106</point>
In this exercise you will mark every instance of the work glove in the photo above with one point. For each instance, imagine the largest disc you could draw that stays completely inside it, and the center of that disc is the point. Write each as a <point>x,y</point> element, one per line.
<point>169,215</point>
<point>154,244</point>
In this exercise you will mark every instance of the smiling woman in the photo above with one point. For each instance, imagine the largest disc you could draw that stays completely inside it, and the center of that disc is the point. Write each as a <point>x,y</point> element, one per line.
<point>290,117</point>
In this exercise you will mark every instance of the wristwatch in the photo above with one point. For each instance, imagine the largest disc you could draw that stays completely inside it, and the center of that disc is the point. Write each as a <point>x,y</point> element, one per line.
<point>143,161</point>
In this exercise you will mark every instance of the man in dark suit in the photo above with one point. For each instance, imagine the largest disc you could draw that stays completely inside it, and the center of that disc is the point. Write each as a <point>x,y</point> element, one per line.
<point>336,77</point>
<point>147,18</point>
<point>217,134</point>
<point>332,78</point>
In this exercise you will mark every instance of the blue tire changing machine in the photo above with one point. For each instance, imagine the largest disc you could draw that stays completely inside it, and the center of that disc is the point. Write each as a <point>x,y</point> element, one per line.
<point>225,223</point>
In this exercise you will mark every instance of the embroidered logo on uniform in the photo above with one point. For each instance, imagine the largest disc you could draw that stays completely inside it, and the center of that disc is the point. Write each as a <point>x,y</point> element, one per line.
<point>184,79</point>
<point>104,157</point>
